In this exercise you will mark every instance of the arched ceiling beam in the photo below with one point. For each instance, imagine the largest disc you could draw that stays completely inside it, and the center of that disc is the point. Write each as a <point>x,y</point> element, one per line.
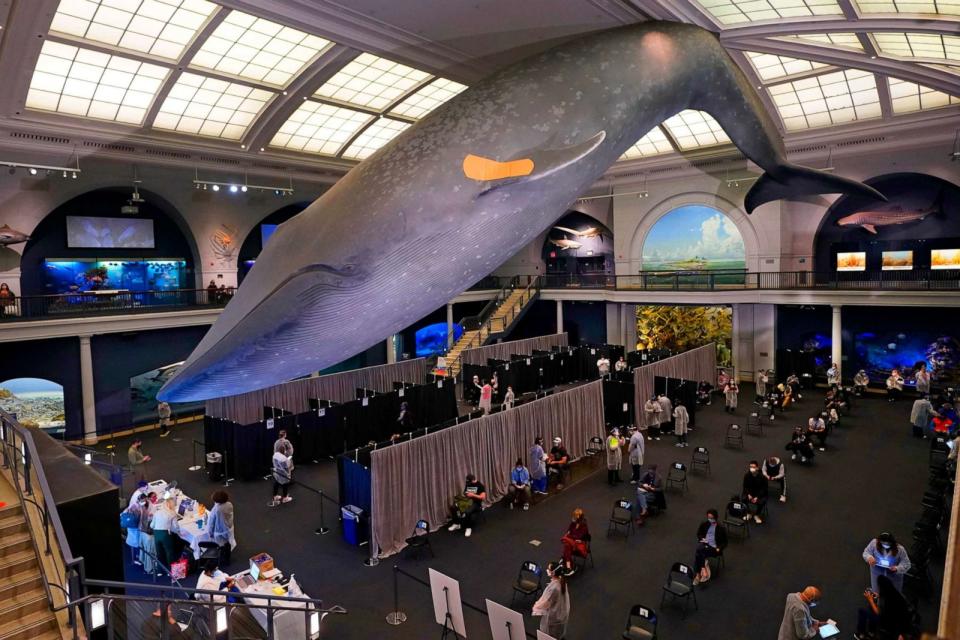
<point>675,12</point>
<point>831,24</point>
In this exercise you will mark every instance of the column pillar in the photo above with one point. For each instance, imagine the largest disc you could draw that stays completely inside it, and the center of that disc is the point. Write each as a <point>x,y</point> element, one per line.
<point>449,326</point>
<point>86,387</point>
<point>559,316</point>
<point>836,337</point>
<point>391,343</point>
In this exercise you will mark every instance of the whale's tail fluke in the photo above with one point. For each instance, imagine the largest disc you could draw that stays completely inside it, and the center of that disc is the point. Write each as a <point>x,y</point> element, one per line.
<point>793,180</point>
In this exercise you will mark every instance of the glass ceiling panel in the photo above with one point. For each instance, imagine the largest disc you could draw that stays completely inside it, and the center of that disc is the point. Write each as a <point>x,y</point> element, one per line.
<point>832,98</point>
<point>654,143</point>
<point>320,128</point>
<point>770,66</point>
<point>692,129</point>
<point>425,100</point>
<point>258,50</point>
<point>210,107</point>
<point>907,97</point>
<point>739,11</point>
<point>161,28</point>
<point>929,7</point>
<point>371,82</point>
<point>919,45</point>
<point>382,131</point>
<point>847,40</point>
<point>80,82</point>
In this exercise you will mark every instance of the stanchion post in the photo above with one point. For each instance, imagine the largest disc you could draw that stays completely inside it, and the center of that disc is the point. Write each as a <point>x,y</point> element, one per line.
<point>226,474</point>
<point>396,617</point>
<point>323,529</point>
<point>193,455</point>
<point>373,560</point>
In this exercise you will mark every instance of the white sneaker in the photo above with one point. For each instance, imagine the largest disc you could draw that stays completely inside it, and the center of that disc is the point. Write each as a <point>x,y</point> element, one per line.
<point>453,527</point>
<point>793,457</point>
<point>747,518</point>
<point>287,499</point>
<point>803,459</point>
<point>822,449</point>
<point>526,506</point>
<point>783,498</point>
<point>511,506</point>
<point>466,534</point>
<point>679,444</point>
<point>757,520</point>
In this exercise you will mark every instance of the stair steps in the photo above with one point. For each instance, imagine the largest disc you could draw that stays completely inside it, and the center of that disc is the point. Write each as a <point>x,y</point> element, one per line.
<point>24,609</point>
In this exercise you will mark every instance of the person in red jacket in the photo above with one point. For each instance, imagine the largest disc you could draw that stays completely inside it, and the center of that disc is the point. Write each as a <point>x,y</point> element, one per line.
<point>575,540</point>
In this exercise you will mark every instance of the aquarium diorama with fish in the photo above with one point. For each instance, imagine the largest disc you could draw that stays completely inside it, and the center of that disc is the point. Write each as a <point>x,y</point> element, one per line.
<point>80,276</point>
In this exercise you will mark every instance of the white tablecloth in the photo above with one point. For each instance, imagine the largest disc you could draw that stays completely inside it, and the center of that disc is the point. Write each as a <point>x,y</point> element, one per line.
<point>187,528</point>
<point>287,623</point>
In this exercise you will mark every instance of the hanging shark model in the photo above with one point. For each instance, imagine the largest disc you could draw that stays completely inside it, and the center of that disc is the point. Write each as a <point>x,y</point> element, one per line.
<point>10,236</point>
<point>589,232</point>
<point>565,243</point>
<point>890,214</point>
<point>451,198</point>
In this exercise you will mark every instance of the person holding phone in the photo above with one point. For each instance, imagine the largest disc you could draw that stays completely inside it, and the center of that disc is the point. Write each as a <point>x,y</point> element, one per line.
<point>888,616</point>
<point>712,537</point>
<point>886,558</point>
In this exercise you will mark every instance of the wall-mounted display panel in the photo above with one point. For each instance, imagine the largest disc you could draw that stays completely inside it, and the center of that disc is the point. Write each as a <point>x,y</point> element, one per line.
<point>852,261</point>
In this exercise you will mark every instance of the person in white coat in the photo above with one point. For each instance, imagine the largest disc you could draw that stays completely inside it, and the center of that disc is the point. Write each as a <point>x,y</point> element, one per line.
<point>763,379</point>
<point>553,606</point>
<point>651,413</point>
<point>681,422</point>
<point>666,413</point>
<point>923,380</point>
<point>636,449</point>
<point>730,391</point>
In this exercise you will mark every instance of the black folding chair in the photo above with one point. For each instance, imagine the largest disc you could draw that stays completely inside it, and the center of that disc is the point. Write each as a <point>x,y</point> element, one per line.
<point>621,516</point>
<point>734,437</point>
<point>529,581</point>
<point>420,540</point>
<point>641,624</point>
<point>677,476</point>
<point>755,424</point>
<point>679,585</point>
<point>594,448</point>
<point>701,459</point>
<point>734,516</point>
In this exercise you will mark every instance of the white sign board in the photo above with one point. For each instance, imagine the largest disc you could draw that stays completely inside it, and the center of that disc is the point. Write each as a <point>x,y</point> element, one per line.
<point>446,600</point>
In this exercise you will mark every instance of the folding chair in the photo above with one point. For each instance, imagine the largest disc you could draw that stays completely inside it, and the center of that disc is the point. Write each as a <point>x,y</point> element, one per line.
<point>679,584</point>
<point>420,539</point>
<point>529,581</point>
<point>734,518</point>
<point>580,561</point>
<point>734,437</point>
<point>641,624</point>
<point>621,516</point>
<point>677,476</point>
<point>701,459</point>
<point>594,448</point>
<point>939,452</point>
<point>755,424</point>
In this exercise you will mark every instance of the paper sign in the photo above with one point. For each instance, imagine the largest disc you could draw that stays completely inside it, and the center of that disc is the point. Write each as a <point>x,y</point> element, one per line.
<point>365,401</point>
<point>551,356</point>
<point>269,423</point>
<point>506,367</point>
<point>439,384</point>
<point>593,352</point>
<point>323,412</point>
<point>626,409</point>
<point>400,393</point>
<point>528,362</point>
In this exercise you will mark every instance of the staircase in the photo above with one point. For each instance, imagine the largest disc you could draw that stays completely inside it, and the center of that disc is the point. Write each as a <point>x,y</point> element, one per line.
<point>502,313</point>
<point>24,609</point>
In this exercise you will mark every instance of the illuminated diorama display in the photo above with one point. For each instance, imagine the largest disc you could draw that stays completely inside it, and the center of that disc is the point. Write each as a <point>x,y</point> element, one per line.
<point>897,260</point>
<point>35,402</point>
<point>453,196</point>
<point>82,275</point>
<point>680,328</point>
<point>852,261</point>
<point>578,244</point>
<point>431,340</point>
<point>143,394</point>
<point>945,259</point>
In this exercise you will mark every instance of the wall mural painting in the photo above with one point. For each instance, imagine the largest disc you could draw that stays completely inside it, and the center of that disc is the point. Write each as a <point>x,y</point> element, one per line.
<point>680,328</point>
<point>36,402</point>
<point>143,394</point>
<point>694,237</point>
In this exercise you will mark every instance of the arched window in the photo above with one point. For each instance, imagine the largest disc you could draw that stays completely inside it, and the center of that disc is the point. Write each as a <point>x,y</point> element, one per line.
<point>694,237</point>
<point>36,402</point>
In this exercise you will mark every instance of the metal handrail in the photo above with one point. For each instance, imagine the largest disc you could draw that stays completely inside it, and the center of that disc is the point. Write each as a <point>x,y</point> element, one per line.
<point>83,303</point>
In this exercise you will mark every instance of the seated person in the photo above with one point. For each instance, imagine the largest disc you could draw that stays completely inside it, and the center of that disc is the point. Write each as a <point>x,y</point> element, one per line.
<point>860,382</point>
<point>775,471</point>
<point>212,579</point>
<point>800,446</point>
<point>754,492</point>
<point>711,540</point>
<point>793,383</point>
<point>519,489</point>
<point>817,428</point>
<point>888,617</point>
<point>833,415</point>
<point>559,462</point>
<point>575,540</point>
<point>467,505</point>
<point>703,392</point>
<point>788,397</point>
<point>650,488</point>
<point>774,401</point>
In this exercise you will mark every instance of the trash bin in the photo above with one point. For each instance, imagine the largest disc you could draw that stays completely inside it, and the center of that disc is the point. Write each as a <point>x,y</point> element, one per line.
<point>352,524</point>
<point>215,466</point>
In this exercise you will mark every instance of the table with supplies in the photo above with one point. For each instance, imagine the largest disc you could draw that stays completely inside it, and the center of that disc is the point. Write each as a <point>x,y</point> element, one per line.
<point>191,516</point>
<point>261,578</point>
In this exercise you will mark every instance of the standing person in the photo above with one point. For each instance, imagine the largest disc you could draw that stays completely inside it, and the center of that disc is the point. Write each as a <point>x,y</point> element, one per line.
<point>7,298</point>
<point>889,616</point>
<point>894,386</point>
<point>519,489</point>
<point>554,604</point>
<point>282,476</point>
<point>603,366</point>
<point>148,545</point>
<point>467,505</point>
<point>475,388</point>
<point>652,412</point>
<point>886,557</point>
<point>164,525</point>
<point>833,375</point>
<point>620,366</point>
<point>282,444</point>
<point>681,423</point>
<point>138,460</point>
<point>405,419</point>
<point>762,379</point>
<point>164,412</point>
<point>220,525</point>
<point>666,413</point>
<point>575,539</point>
<point>775,471</point>
<point>722,379</point>
<point>923,380</point>
<point>538,467</point>
<point>636,449</point>
<point>755,490</point>
<point>509,398</point>
<point>730,391</point>
<point>711,540</point>
<point>921,414</point>
<point>860,382</point>
<point>130,519</point>
<point>212,292</point>
<point>486,397</point>
<point>614,457</point>
<point>798,623</point>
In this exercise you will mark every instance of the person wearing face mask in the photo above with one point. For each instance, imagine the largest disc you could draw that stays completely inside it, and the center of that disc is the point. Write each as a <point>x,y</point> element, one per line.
<point>636,448</point>
<point>775,471</point>
<point>860,382</point>
<point>538,467</point>
<point>575,539</point>
<point>754,492</point>
<point>509,398</point>
<point>519,489</point>
<point>817,428</point>
<point>553,606</point>
<point>711,540</point>
<point>800,446</point>
<point>614,457</point>
<point>886,558</point>
<point>798,623</point>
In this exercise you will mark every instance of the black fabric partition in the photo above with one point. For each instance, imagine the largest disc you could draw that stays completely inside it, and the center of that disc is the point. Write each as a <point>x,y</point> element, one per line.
<point>680,392</point>
<point>618,407</point>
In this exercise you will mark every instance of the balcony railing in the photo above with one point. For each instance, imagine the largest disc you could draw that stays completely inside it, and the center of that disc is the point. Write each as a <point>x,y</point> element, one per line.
<point>93,303</point>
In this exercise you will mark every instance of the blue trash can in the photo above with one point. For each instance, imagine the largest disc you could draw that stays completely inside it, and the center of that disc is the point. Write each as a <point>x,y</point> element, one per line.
<point>352,524</point>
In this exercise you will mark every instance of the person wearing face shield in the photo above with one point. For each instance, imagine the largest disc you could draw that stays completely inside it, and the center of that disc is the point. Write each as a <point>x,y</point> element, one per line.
<point>798,622</point>
<point>886,558</point>
<point>553,606</point>
<point>755,488</point>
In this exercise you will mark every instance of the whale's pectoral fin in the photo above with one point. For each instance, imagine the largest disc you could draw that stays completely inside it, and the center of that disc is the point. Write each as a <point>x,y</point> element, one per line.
<point>792,181</point>
<point>869,227</point>
<point>535,164</point>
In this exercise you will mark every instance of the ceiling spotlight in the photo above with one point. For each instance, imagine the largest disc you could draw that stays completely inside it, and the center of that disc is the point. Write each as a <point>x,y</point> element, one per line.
<point>243,146</point>
<point>233,188</point>
<point>33,171</point>
<point>215,187</point>
<point>261,148</point>
<point>243,188</point>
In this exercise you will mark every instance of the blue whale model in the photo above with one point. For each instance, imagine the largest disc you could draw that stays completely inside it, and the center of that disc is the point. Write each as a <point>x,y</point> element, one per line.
<point>454,196</point>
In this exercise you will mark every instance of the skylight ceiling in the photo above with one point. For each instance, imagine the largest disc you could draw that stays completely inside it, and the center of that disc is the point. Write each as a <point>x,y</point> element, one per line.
<point>256,49</point>
<point>320,128</point>
<point>729,12</point>
<point>931,46</point>
<point>922,7</point>
<point>428,98</point>
<point>908,97</point>
<point>370,82</point>
<point>692,129</point>
<point>379,133</point>
<point>86,83</point>
<point>210,107</point>
<point>828,99</point>
<point>652,144</point>
<point>770,66</point>
<point>846,40</point>
<point>161,28</point>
